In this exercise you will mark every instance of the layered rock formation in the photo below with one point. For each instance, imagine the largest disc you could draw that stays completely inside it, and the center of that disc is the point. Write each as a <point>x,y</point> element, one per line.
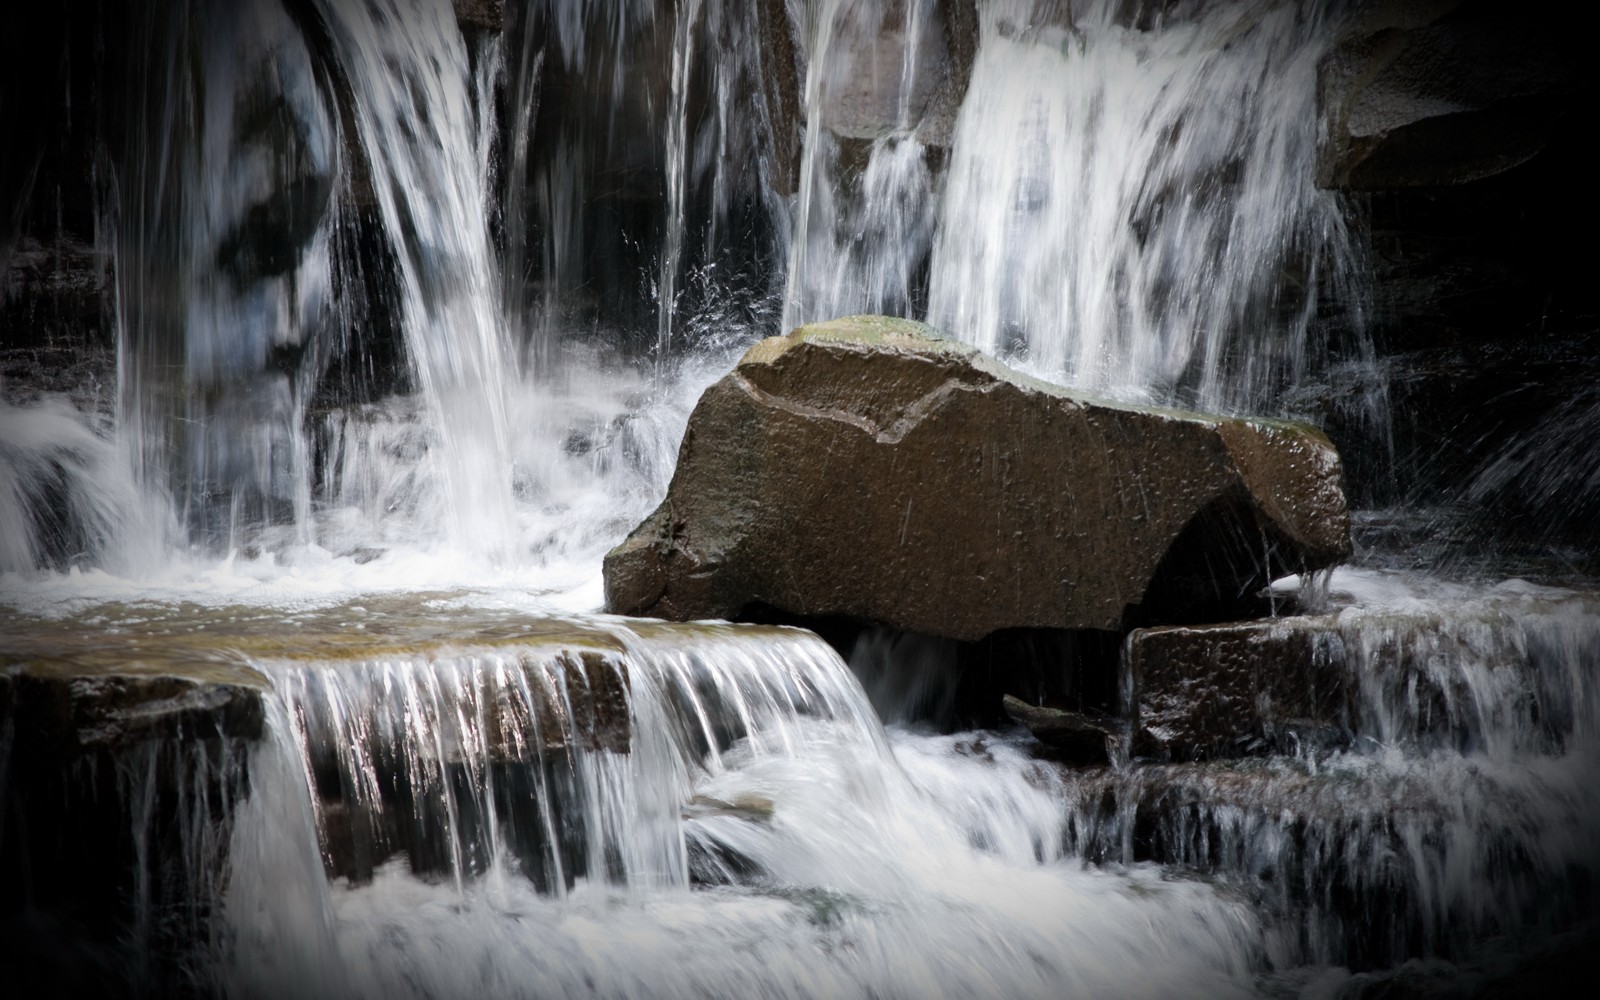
<point>128,741</point>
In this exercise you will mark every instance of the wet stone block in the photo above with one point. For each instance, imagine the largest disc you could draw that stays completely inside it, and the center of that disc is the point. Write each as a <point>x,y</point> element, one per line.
<point>466,757</point>
<point>568,700</point>
<point>1241,688</point>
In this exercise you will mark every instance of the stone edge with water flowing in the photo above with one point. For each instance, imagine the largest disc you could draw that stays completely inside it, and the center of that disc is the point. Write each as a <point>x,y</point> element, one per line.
<point>186,773</point>
<point>872,469</point>
<point>124,745</point>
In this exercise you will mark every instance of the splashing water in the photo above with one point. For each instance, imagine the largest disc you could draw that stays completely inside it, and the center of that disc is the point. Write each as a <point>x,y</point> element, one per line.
<point>1458,813</point>
<point>66,496</point>
<point>1115,205</point>
<point>830,864</point>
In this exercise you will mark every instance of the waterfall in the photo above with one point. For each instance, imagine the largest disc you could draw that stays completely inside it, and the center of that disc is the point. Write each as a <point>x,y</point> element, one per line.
<point>564,233</point>
<point>409,71</point>
<point>677,166</point>
<point>223,276</point>
<point>1458,814</point>
<point>1118,205</point>
<point>563,765</point>
<point>409,321</point>
<point>557,842</point>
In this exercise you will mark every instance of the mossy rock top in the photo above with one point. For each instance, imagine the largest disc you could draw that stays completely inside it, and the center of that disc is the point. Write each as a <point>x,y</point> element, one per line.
<point>866,334</point>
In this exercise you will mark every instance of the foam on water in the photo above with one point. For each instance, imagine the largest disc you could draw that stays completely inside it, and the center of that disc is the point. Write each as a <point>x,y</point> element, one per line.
<point>68,498</point>
<point>593,458</point>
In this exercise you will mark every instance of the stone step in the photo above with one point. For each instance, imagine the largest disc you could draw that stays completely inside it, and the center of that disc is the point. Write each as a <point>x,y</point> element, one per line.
<point>1500,671</point>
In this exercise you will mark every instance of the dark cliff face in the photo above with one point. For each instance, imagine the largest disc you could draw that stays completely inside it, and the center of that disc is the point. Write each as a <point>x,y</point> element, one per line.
<point>1457,130</point>
<point>52,104</point>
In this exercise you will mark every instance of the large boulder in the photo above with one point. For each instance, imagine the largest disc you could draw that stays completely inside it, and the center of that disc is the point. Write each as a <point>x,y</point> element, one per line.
<point>870,468</point>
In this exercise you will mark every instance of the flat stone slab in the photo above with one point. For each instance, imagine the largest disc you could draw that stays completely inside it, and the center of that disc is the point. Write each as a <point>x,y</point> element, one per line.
<point>124,674</point>
<point>1502,671</point>
<point>401,705</point>
<point>872,469</point>
<point>1079,736</point>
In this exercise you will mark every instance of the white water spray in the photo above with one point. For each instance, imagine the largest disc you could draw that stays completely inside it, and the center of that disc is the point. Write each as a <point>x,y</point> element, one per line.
<point>408,66</point>
<point>827,863</point>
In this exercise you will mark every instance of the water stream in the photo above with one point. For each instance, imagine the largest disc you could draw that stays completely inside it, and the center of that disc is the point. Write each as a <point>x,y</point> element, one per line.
<point>571,228</point>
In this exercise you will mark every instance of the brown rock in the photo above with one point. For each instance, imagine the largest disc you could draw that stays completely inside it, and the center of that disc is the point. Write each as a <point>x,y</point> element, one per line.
<point>1225,690</point>
<point>1081,737</point>
<point>869,468</point>
<point>64,714</point>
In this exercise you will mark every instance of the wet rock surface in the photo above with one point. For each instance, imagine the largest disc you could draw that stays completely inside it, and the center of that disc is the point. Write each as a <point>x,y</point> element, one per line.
<point>68,715</point>
<point>1348,860</point>
<point>897,68</point>
<point>193,672</point>
<point>870,469</point>
<point>118,788</point>
<point>1494,675</point>
<point>1227,690</point>
<point>511,723</point>
<point>1425,94</point>
<point>1081,737</point>
<point>1392,746</point>
<point>428,731</point>
<point>127,737</point>
<point>481,15</point>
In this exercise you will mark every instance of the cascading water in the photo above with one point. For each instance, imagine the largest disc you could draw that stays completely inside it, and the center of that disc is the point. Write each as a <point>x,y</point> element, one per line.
<point>570,229</point>
<point>1459,812</point>
<point>408,68</point>
<point>68,496</point>
<point>1119,203</point>
<point>755,767</point>
<point>1164,179</point>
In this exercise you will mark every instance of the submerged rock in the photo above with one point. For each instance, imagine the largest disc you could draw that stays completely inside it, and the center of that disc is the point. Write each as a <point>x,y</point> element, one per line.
<point>1079,736</point>
<point>869,468</point>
